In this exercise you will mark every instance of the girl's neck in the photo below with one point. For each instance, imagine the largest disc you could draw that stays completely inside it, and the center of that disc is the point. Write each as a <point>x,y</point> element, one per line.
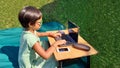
<point>31,30</point>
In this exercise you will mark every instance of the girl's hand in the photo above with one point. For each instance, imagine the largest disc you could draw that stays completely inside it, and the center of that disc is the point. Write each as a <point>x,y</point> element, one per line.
<point>54,35</point>
<point>59,42</point>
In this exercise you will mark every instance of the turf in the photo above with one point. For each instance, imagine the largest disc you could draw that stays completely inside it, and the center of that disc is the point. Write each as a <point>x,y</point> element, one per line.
<point>98,21</point>
<point>9,10</point>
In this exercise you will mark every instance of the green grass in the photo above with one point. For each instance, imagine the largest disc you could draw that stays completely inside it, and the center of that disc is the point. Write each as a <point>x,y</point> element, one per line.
<point>9,10</point>
<point>98,21</point>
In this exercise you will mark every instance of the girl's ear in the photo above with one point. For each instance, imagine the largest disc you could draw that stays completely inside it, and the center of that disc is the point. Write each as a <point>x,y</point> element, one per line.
<point>30,25</point>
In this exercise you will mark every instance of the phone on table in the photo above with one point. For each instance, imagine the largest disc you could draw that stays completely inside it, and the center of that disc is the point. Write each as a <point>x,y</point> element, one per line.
<point>63,49</point>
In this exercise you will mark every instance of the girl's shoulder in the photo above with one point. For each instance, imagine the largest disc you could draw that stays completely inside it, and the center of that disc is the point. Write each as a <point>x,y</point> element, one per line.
<point>28,35</point>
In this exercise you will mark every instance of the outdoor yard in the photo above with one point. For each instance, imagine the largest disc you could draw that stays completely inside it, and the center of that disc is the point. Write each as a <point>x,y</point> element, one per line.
<point>99,22</point>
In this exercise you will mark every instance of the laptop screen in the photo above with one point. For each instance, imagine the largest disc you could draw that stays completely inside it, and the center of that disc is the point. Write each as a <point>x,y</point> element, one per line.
<point>74,35</point>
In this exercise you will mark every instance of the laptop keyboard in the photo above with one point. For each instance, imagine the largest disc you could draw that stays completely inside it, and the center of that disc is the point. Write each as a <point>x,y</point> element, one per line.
<point>66,37</point>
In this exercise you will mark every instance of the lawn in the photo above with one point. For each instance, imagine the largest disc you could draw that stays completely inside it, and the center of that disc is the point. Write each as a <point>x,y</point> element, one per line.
<point>9,10</point>
<point>99,22</point>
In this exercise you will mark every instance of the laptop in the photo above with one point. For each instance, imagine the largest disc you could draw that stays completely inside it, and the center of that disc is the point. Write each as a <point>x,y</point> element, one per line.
<point>72,37</point>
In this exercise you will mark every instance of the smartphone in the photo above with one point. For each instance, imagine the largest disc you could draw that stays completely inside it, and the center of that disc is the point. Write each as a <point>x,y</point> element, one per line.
<point>63,49</point>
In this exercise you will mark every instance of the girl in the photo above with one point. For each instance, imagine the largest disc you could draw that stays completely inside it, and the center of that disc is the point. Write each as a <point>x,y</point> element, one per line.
<point>30,45</point>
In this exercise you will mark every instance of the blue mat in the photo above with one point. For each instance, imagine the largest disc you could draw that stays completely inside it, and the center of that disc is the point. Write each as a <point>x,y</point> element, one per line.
<point>9,46</point>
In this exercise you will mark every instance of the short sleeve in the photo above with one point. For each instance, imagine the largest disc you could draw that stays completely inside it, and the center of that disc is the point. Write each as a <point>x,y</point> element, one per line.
<point>31,40</point>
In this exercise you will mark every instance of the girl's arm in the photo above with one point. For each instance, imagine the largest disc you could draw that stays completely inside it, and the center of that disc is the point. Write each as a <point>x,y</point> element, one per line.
<point>43,33</point>
<point>50,34</point>
<point>46,54</point>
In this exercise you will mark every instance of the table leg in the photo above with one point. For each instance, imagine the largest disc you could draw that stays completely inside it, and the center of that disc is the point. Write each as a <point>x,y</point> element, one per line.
<point>60,64</point>
<point>88,61</point>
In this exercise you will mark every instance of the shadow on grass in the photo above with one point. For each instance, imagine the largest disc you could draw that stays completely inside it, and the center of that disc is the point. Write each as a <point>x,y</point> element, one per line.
<point>61,11</point>
<point>47,11</point>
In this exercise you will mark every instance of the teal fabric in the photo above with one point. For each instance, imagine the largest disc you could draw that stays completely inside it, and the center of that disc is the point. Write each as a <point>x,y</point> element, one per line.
<point>9,46</point>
